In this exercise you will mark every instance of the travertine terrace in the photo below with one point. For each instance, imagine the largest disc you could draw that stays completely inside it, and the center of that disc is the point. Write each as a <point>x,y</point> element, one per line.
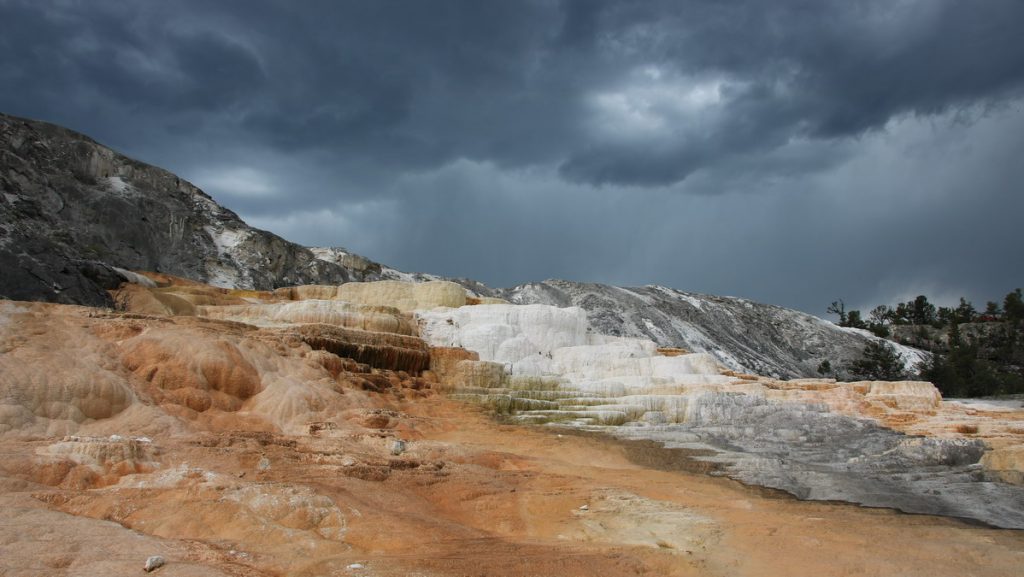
<point>322,431</point>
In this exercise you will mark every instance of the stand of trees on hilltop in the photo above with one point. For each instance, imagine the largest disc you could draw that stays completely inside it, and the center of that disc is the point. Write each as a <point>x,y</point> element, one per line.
<point>974,353</point>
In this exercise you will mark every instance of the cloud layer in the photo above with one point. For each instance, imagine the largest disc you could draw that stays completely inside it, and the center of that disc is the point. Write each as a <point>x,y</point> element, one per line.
<point>792,152</point>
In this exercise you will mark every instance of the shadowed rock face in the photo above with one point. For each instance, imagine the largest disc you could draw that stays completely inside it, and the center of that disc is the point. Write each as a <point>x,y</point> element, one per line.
<point>384,350</point>
<point>70,209</point>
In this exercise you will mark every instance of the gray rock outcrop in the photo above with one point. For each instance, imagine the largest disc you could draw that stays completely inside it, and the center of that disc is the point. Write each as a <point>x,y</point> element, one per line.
<point>153,563</point>
<point>71,209</point>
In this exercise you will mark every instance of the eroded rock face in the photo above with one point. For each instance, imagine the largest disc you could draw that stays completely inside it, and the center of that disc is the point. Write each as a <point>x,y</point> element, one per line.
<point>72,209</point>
<point>76,371</point>
<point>389,351</point>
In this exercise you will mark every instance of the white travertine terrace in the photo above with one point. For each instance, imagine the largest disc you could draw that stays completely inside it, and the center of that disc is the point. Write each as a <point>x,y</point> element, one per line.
<point>561,369</point>
<point>558,368</point>
<point>540,340</point>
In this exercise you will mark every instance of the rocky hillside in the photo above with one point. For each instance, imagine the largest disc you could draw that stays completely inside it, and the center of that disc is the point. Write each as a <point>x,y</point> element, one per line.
<point>72,209</point>
<point>741,334</point>
<point>74,215</point>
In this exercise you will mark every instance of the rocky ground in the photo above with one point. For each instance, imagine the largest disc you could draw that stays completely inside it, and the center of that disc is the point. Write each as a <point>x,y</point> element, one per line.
<point>467,497</point>
<point>310,431</point>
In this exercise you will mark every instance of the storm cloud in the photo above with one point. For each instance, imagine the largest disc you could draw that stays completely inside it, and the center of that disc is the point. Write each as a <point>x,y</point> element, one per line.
<point>791,152</point>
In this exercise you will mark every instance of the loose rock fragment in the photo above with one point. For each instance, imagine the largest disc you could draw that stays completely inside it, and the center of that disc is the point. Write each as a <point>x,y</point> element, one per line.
<point>153,563</point>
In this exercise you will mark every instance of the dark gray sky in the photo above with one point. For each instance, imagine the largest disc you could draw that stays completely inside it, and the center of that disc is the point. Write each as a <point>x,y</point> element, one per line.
<point>793,152</point>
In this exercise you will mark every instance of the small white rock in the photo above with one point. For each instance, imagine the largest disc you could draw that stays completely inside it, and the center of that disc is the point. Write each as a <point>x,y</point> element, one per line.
<point>584,507</point>
<point>398,447</point>
<point>355,567</point>
<point>154,562</point>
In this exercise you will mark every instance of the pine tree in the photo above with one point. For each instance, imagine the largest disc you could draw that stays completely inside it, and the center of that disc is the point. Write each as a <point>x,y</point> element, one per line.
<point>1013,306</point>
<point>853,320</point>
<point>992,312</point>
<point>825,368</point>
<point>960,373</point>
<point>965,313</point>
<point>878,362</point>
<point>838,308</point>
<point>922,312</point>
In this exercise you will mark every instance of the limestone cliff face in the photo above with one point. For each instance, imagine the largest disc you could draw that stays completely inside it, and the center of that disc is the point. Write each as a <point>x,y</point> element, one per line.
<point>71,209</point>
